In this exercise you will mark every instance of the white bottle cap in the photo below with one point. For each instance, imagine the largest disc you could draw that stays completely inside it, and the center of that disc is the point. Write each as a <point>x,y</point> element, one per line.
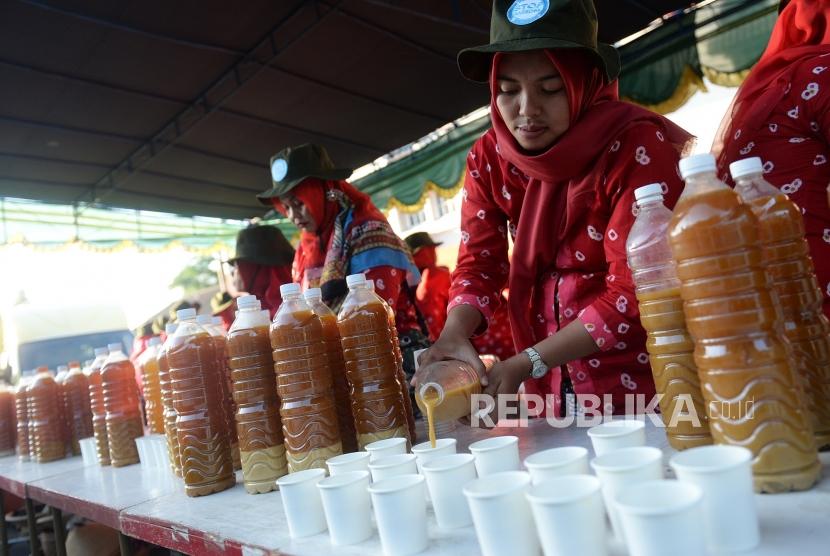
<point>186,314</point>
<point>63,369</point>
<point>370,284</point>
<point>204,319</point>
<point>291,288</point>
<point>353,280</point>
<point>697,164</point>
<point>746,167</point>
<point>650,192</point>
<point>154,341</point>
<point>248,302</point>
<point>114,347</point>
<point>101,351</point>
<point>170,328</point>
<point>313,293</point>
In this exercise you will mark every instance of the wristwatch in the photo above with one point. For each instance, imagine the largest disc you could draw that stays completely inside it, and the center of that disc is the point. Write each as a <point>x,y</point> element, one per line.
<point>539,368</point>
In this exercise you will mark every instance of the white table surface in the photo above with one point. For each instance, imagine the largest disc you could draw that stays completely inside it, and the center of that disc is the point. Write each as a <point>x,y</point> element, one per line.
<point>16,473</point>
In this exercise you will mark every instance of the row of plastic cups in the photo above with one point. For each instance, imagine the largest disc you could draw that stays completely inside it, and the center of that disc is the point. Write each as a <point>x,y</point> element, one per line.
<point>152,452</point>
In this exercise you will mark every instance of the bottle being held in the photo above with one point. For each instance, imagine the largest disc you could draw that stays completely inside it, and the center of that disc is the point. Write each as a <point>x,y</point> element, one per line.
<point>198,398</point>
<point>788,263</point>
<point>21,407</point>
<point>122,405</point>
<point>258,425</point>
<point>153,406</point>
<point>371,365</point>
<point>77,410</point>
<point>166,390</point>
<point>46,439</point>
<point>670,348</point>
<point>96,402</point>
<point>753,396</point>
<point>334,352</point>
<point>444,392</point>
<point>304,384</point>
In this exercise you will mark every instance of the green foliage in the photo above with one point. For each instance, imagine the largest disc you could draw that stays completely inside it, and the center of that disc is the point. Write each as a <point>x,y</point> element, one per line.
<point>196,277</point>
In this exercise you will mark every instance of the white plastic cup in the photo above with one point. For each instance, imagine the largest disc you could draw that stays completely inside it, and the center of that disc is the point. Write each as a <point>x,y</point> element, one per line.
<point>570,516</point>
<point>89,451</point>
<point>501,514</point>
<point>387,447</point>
<point>392,466</point>
<point>425,451</point>
<point>347,507</point>
<point>496,454</point>
<point>344,463</point>
<point>615,435</point>
<point>401,514</point>
<point>446,477</point>
<point>724,475</point>
<point>302,503</point>
<point>145,452</point>
<point>622,468</point>
<point>662,517</point>
<point>556,462</point>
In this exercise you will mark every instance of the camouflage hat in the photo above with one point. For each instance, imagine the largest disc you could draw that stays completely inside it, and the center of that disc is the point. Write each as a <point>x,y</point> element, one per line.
<point>420,239</point>
<point>292,165</point>
<point>263,245</point>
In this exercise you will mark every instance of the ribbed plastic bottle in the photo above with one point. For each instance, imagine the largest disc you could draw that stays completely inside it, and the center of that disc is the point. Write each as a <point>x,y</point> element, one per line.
<point>220,342</point>
<point>66,432</point>
<point>402,380</point>
<point>123,407</point>
<point>334,353</point>
<point>153,406</point>
<point>167,401</point>
<point>670,348</point>
<point>198,398</point>
<point>7,419</point>
<point>46,439</point>
<point>96,402</point>
<point>788,263</point>
<point>77,409</point>
<point>304,384</point>
<point>753,395</point>
<point>21,407</point>
<point>371,365</point>
<point>258,424</point>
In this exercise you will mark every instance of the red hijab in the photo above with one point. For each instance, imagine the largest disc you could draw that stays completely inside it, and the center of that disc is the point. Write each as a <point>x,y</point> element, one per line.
<point>802,31</point>
<point>562,172</point>
<point>264,282</point>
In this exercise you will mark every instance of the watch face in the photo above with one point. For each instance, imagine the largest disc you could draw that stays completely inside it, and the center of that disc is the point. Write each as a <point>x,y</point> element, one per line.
<point>538,372</point>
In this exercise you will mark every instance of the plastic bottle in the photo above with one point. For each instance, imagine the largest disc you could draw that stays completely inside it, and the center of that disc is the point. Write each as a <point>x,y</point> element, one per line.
<point>7,418</point>
<point>753,396</point>
<point>670,348</point>
<point>334,352</point>
<point>46,438</point>
<point>444,391</point>
<point>60,376</point>
<point>77,409</point>
<point>166,389</point>
<point>198,398</point>
<point>96,402</point>
<point>401,375</point>
<point>21,406</point>
<point>258,425</point>
<point>788,263</point>
<point>123,407</point>
<point>371,365</point>
<point>153,406</point>
<point>304,384</point>
<point>220,342</point>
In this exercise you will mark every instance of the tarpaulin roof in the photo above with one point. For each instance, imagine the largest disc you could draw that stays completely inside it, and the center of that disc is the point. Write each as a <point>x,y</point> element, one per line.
<point>177,106</point>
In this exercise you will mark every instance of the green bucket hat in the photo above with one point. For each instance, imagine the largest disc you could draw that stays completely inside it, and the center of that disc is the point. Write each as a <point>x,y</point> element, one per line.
<point>263,245</point>
<point>220,301</point>
<point>292,165</point>
<point>420,239</point>
<point>520,25</point>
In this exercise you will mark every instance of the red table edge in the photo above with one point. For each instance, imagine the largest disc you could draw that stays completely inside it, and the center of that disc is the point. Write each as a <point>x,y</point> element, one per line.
<point>104,515</point>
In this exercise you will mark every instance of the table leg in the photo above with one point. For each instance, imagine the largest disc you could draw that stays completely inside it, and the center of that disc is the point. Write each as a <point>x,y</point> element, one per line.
<point>60,531</point>
<point>31,520</point>
<point>4,532</point>
<point>124,544</point>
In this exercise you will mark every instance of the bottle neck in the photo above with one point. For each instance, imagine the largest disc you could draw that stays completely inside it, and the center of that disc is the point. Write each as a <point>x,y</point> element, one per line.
<point>650,203</point>
<point>702,182</point>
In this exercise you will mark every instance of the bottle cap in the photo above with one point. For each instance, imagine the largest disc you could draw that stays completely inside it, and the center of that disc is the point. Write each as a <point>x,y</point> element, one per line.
<point>204,319</point>
<point>216,320</point>
<point>114,347</point>
<point>370,284</point>
<point>63,369</point>
<point>650,192</point>
<point>353,280</point>
<point>101,351</point>
<point>247,302</point>
<point>154,341</point>
<point>292,288</point>
<point>313,293</point>
<point>746,167</point>
<point>74,364</point>
<point>697,164</point>
<point>170,328</point>
<point>186,314</point>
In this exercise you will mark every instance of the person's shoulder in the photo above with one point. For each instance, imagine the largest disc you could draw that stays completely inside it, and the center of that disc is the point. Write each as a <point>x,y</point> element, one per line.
<point>483,148</point>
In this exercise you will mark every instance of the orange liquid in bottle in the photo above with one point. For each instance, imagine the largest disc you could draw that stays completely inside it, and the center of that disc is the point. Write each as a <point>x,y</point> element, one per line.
<point>7,427</point>
<point>334,352</point>
<point>787,259</point>
<point>21,406</point>
<point>753,396</point>
<point>166,388</point>
<point>153,406</point>
<point>123,408</point>
<point>77,410</point>
<point>198,398</point>
<point>261,444</point>
<point>371,367</point>
<point>99,412</point>
<point>304,384</point>
<point>46,440</point>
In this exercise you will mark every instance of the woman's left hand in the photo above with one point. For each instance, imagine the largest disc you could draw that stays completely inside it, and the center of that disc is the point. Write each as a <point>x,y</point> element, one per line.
<point>505,377</point>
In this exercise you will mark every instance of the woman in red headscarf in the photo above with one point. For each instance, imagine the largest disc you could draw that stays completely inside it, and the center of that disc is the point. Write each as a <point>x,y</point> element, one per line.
<point>781,114</point>
<point>557,172</point>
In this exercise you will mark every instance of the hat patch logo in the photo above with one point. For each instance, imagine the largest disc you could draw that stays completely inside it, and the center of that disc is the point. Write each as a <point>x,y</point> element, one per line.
<point>525,12</point>
<point>279,169</point>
